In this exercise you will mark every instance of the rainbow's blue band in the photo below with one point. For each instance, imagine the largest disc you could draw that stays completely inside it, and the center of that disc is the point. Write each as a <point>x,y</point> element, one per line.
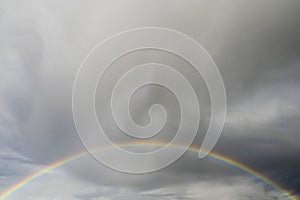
<point>9,191</point>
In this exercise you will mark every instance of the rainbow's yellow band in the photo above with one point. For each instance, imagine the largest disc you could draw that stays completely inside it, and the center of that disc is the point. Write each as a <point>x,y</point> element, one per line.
<point>192,148</point>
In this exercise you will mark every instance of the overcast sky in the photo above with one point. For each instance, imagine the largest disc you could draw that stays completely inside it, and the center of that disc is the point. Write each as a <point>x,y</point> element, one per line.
<point>255,44</point>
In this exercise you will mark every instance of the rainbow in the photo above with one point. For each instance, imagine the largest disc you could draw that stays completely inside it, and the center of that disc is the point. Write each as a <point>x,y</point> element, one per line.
<point>12,189</point>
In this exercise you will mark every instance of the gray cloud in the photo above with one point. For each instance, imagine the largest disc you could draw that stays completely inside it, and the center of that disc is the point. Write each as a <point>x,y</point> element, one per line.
<point>255,44</point>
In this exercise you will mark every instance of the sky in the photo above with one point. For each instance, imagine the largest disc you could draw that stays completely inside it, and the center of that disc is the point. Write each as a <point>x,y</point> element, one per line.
<point>255,44</point>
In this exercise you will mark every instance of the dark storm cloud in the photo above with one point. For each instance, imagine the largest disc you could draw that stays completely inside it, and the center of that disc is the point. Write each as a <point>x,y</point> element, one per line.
<point>256,45</point>
<point>263,116</point>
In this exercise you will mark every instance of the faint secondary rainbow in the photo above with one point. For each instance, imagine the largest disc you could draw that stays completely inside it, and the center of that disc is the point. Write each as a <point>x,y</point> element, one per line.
<point>9,191</point>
